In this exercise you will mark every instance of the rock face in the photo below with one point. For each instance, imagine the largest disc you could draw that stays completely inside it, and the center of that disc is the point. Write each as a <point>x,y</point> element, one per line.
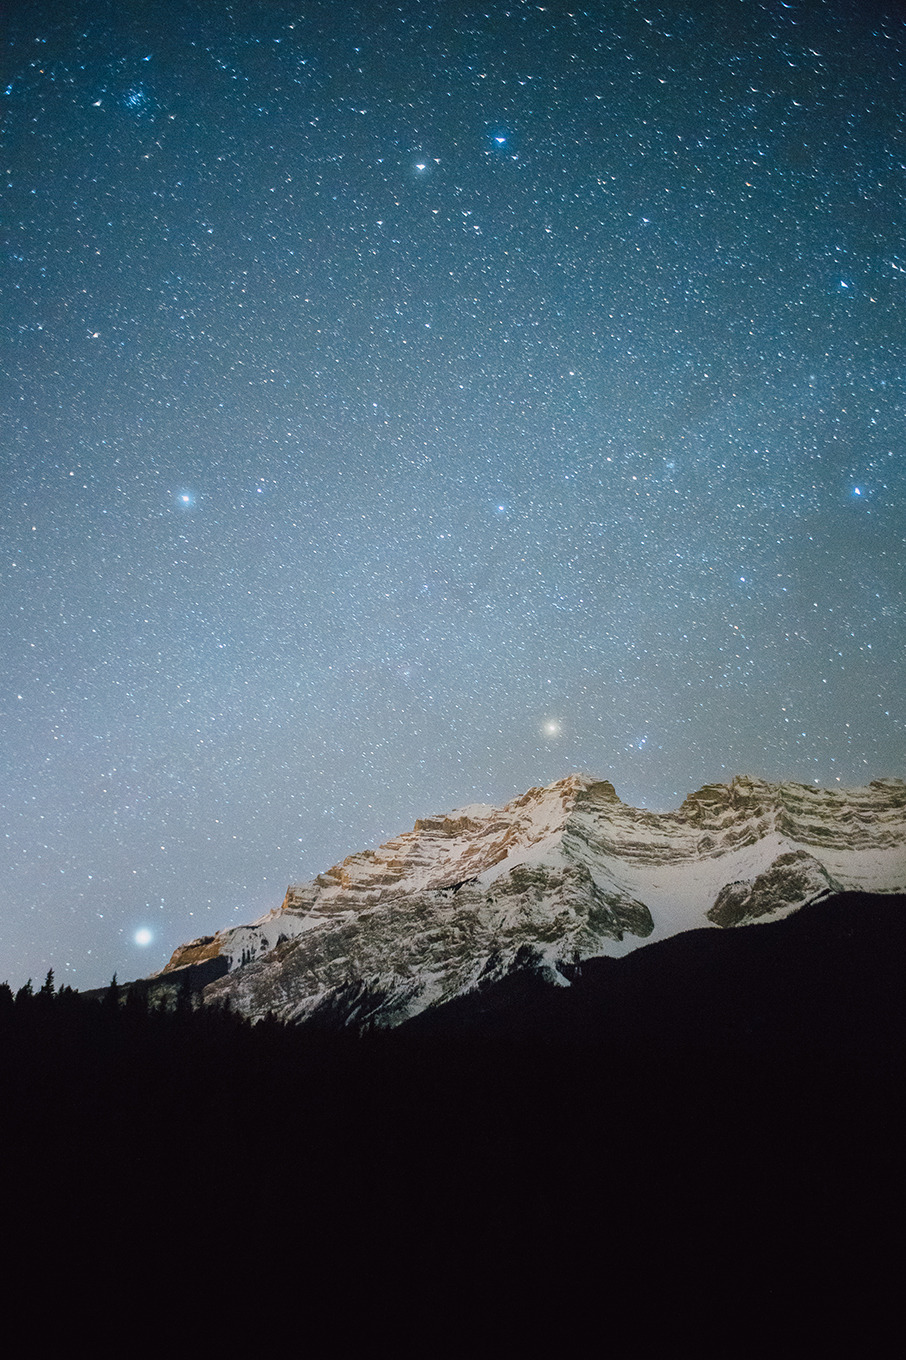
<point>556,876</point>
<point>792,879</point>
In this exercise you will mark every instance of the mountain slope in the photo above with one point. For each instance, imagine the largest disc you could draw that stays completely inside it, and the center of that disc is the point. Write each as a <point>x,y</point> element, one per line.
<point>826,980</point>
<point>559,875</point>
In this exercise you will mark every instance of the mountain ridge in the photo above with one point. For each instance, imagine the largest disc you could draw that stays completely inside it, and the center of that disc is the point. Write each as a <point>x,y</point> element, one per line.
<point>560,874</point>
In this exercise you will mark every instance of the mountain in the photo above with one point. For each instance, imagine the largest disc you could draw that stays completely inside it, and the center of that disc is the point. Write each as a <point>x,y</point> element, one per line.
<point>825,980</point>
<point>557,876</point>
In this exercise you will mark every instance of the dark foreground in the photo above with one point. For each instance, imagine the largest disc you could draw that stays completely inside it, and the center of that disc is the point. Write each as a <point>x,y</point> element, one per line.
<point>701,1144</point>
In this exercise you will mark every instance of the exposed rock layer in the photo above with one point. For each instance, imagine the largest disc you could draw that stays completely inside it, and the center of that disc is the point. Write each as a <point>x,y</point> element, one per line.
<point>558,875</point>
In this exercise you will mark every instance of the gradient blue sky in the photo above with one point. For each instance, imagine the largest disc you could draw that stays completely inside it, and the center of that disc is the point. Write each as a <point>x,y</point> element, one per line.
<point>406,404</point>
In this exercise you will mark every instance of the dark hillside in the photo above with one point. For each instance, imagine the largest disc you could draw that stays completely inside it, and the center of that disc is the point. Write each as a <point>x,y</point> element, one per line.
<point>827,980</point>
<point>712,1123</point>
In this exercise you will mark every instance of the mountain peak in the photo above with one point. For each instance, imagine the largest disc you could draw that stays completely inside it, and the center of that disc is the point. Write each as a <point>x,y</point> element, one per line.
<point>558,874</point>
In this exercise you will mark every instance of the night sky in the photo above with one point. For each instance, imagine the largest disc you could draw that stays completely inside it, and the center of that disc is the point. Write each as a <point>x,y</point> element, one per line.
<point>408,404</point>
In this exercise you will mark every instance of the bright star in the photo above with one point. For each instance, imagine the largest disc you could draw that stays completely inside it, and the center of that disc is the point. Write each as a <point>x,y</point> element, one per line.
<point>143,936</point>
<point>552,728</point>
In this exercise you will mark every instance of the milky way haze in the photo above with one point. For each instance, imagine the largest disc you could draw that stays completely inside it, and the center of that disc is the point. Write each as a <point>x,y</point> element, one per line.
<point>408,404</point>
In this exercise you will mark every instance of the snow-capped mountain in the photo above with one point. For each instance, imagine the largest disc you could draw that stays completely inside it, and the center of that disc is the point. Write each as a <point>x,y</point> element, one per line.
<point>558,875</point>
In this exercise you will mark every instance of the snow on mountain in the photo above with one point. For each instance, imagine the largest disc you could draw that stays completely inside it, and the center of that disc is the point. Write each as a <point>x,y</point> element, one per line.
<point>557,875</point>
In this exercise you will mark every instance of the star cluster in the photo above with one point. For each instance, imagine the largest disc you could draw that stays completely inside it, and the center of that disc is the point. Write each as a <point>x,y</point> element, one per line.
<point>414,402</point>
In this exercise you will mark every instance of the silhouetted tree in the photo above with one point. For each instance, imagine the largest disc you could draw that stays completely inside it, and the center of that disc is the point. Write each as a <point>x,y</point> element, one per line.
<point>112,996</point>
<point>135,1008</point>
<point>184,1007</point>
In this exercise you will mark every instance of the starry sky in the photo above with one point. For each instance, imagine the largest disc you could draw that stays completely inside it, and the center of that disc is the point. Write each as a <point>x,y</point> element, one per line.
<point>408,404</point>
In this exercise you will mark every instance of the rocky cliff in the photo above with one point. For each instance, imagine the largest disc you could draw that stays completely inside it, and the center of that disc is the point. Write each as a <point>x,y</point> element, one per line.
<point>558,875</point>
